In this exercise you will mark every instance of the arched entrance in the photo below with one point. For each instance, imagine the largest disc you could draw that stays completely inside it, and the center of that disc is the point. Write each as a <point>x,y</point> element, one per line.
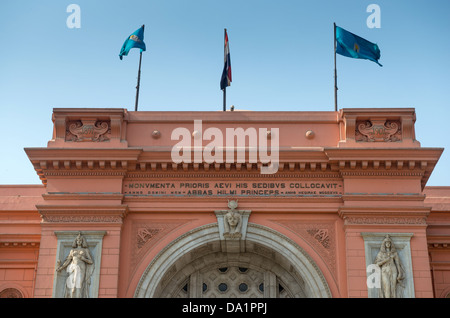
<point>194,265</point>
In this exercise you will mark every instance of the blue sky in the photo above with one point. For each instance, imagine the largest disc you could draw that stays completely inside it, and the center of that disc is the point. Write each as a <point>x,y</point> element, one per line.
<point>281,56</point>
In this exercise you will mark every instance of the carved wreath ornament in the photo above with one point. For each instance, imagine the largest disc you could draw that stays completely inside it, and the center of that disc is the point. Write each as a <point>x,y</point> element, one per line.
<point>88,130</point>
<point>378,130</point>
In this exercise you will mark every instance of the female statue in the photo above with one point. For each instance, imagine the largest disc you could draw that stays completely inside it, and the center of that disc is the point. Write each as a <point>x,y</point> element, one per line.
<point>80,267</point>
<point>392,273</point>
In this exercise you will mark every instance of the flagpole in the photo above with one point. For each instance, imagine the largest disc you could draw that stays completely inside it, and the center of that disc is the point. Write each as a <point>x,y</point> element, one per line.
<point>138,79</point>
<point>225,57</point>
<point>335,71</point>
<point>224,98</point>
<point>138,83</point>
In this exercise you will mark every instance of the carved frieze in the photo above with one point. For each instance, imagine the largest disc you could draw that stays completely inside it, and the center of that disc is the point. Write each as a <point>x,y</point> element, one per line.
<point>88,130</point>
<point>378,131</point>
<point>62,218</point>
<point>399,216</point>
<point>360,220</point>
<point>68,214</point>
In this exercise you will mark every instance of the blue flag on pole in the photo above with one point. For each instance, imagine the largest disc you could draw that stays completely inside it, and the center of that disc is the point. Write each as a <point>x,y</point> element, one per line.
<point>135,40</point>
<point>351,45</point>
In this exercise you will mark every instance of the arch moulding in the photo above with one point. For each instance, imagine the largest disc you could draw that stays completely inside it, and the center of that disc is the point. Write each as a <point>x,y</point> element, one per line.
<point>306,267</point>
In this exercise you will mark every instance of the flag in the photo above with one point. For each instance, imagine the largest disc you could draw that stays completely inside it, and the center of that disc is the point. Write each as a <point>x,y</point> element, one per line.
<point>351,45</point>
<point>135,40</point>
<point>226,74</point>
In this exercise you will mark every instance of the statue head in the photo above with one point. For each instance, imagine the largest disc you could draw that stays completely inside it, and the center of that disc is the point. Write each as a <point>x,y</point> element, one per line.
<point>79,241</point>
<point>387,244</point>
<point>233,218</point>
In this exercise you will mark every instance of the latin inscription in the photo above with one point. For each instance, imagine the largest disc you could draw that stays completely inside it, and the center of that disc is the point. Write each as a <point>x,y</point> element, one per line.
<point>248,188</point>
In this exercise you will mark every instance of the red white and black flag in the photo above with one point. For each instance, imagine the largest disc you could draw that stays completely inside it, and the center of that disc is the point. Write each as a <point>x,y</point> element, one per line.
<point>226,74</point>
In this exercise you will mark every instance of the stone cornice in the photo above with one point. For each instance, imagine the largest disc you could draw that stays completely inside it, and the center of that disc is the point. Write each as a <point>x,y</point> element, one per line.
<point>20,240</point>
<point>51,154</point>
<point>438,241</point>
<point>317,161</point>
<point>383,154</point>
<point>234,117</point>
<point>82,196</point>
<point>383,197</point>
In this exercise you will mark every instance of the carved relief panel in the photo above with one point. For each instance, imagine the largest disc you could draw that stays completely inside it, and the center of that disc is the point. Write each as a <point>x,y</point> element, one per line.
<point>389,265</point>
<point>378,130</point>
<point>88,130</point>
<point>77,268</point>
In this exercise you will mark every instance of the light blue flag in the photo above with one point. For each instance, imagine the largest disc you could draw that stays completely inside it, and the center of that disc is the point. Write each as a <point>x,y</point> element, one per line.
<point>135,40</point>
<point>351,45</point>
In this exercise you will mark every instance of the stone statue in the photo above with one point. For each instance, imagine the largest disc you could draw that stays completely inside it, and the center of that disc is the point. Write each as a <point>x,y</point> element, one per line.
<point>232,221</point>
<point>80,267</point>
<point>392,273</point>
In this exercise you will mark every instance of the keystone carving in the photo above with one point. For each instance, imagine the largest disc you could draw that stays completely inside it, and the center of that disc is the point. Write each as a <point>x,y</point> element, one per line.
<point>232,227</point>
<point>232,221</point>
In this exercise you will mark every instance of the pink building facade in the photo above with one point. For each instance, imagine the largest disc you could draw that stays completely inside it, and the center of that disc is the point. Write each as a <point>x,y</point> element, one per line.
<point>228,204</point>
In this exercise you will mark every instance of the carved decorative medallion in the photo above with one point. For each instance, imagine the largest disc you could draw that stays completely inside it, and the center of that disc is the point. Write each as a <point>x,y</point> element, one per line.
<point>321,236</point>
<point>10,293</point>
<point>87,130</point>
<point>378,131</point>
<point>145,234</point>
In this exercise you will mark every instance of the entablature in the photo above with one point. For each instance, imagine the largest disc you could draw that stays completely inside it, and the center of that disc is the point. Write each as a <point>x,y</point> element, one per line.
<point>313,162</point>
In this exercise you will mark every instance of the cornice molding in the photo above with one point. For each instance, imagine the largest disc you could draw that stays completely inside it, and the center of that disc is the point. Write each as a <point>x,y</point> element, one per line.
<point>20,240</point>
<point>82,196</point>
<point>318,162</point>
<point>383,197</point>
